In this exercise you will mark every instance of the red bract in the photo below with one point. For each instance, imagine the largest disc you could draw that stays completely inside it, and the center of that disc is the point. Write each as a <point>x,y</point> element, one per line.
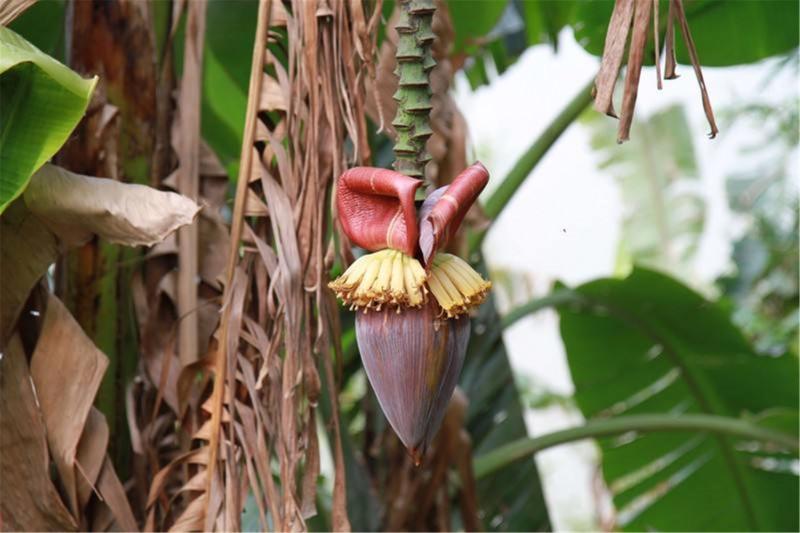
<point>376,209</point>
<point>413,361</point>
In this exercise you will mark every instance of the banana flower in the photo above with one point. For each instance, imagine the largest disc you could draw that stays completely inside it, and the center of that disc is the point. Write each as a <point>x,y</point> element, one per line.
<point>411,300</point>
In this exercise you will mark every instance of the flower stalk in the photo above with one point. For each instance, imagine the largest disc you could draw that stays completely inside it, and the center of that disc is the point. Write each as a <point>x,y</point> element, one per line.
<point>414,64</point>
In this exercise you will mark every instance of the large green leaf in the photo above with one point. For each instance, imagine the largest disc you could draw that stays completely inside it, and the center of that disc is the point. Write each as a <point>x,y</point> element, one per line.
<point>647,344</point>
<point>42,103</point>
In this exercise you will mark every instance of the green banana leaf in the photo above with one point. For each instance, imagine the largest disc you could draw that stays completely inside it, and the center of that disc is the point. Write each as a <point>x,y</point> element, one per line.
<point>42,102</point>
<point>648,344</point>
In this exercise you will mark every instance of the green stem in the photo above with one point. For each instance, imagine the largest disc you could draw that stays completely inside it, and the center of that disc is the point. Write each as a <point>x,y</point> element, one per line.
<point>528,161</point>
<point>520,449</point>
<point>413,96</point>
<point>554,299</point>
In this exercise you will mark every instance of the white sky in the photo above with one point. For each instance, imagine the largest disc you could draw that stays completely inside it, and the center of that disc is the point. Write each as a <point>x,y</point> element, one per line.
<point>568,192</point>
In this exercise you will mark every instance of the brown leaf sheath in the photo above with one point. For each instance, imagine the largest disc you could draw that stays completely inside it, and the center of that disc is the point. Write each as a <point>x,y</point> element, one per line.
<point>376,209</point>
<point>641,20</point>
<point>444,210</point>
<point>413,360</point>
<point>616,37</point>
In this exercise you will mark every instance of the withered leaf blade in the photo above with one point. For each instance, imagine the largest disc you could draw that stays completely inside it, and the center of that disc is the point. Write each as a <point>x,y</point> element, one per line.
<point>659,85</point>
<point>670,63</point>
<point>35,503</point>
<point>413,360</point>
<point>687,37</point>
<point>641,20</point>
<point>614,48</point>
<point>74,207</point>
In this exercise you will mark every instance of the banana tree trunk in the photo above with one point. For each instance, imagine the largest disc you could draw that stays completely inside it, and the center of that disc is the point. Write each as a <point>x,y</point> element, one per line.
<point>117,139</point>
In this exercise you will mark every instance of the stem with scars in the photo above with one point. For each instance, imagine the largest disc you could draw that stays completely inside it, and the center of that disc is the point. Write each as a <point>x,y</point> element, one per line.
<point>413,96</point>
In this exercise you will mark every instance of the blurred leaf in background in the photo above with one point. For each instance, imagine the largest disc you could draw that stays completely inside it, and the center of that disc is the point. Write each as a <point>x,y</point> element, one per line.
<point>648,344</point>
<point>658,175</point>
<point>763,290</point>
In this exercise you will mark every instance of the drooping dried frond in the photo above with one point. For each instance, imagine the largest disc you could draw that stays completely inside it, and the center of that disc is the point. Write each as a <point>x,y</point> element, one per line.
<point>632,17</point>
<point>306,105</point>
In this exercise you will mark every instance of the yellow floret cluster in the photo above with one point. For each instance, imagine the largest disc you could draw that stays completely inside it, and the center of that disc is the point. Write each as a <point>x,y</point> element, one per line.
<point>456,285</point>
<point>392,278</point>
<point>387,277</point>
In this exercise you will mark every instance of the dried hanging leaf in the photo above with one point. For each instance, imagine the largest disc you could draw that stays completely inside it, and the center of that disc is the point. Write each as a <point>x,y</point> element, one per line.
<point>656,31</point>
<point>687,37</point>
<point>90,455</point>
<point>66,368</point>
<point>322,83</point>
<point>74,207</point>
<point>614,48</point>
<point>55,403</point>
<point>641,21</point>
<point>638,13</point>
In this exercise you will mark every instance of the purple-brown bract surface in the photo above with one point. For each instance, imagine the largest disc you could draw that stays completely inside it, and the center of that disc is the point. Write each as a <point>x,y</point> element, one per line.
<point>413,360</point>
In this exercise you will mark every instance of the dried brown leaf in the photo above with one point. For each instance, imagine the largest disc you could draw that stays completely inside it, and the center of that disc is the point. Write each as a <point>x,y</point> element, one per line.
<point>698,72</point>
<point>29,500</point>
<point>113,495</point>
<point>656,31</point>
<point>27,249</point>
<point>272,97</point>
<point>614,48</point>
<point>91,455</point>
<point>669,46</point>
<point>74,207</point>
<point>189,177</point>
<point>641,21</point>
<point>66,368</point>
